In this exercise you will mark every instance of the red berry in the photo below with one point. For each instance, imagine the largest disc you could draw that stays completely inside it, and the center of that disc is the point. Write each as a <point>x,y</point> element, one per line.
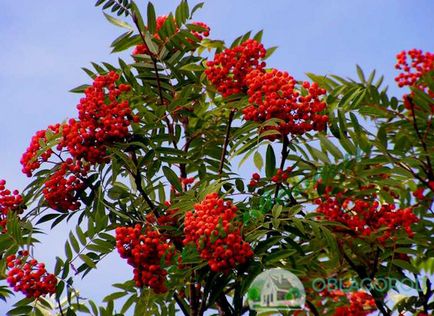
<point>29,277</point>
<point>221,243</point>
<point>228,71</point>
<point>148,253</point>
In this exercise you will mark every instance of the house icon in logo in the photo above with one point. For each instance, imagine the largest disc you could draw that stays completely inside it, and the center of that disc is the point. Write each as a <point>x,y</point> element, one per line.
<point>276,289</point>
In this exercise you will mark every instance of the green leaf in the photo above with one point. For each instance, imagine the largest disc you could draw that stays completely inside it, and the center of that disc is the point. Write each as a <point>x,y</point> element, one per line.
<point>81,235</point>
<point>270,162</point>
<point>195,8</point>
<point>74,242</point>
<point>318,154</point>
<point>269,52</point>
<point>137,16</point>
<point>80,89</point>
<point>114,296</point>
<point>152,24</point>
<point>381,135</point>
<point>257,159</point>
<point>88,261</point>
<point>278,255</point>
<point>330,147</point>
<point>360,74</point>
<point>192,67</point>
<point>153,48</point>
<point>20,310</point>
<point>405,265</point>
<point>68,251</point>
<point>130,301</point>
<point>118,22</point>
<point>258,36</point>
<point>172,178</point>
<point>181,13</point>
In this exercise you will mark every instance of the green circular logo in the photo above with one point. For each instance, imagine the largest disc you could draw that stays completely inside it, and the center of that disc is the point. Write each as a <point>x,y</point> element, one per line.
<point>276,290</point>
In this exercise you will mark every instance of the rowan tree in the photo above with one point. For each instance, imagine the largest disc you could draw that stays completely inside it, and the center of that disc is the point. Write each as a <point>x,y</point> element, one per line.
<point>150,168</point>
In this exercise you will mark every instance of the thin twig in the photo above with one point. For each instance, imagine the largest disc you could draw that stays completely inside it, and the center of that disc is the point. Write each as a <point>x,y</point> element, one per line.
<point>180,304</point>
<point>138,181</point>
<point>226,141</point>
<point>60,306</point>
<point>379,300</point>
<point>425,149</point>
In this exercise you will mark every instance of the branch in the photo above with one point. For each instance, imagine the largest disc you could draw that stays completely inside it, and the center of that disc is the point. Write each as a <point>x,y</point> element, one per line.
<point>157,75</point>
<point>379,300</point>
<point>284,156</point>
<point>60,306</point>
<point>424,298</point>
<point>226,142</point>
<point>425,149</point>
<point>180,303</point>
<point>375,265</point>
<point>312,308</point>
<point>223,306</point>
<point>194,308</point>
<point>138,181</point>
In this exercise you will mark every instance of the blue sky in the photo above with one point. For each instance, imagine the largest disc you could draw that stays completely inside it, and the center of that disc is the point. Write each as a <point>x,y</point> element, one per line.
<point>44,44</point>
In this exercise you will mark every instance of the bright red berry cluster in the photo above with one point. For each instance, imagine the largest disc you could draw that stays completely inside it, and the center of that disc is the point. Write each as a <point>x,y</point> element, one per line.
<point>35,154</point>
<point>168,217</point>
<point>420,64</point>
<point>9,201</point>
<point>29,277</point>
<point>254,180</point>
<point>142,49</point>
<point>357,303</point>
<point>228,71</point>
<point>366,216</point>
<point>147,252</point>
<point>273,95</point>
<point>419,193</point>
<point>61,188</point>
<point>281,176</point>
<point>187,181</point>
<point>202,33</point>
<point>103,119</point>
<point>360,304</point>
<point>212,229</point>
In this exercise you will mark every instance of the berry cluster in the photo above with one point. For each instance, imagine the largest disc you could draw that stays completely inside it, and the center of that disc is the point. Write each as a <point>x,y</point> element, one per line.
<point>419,193</point>
<point>202,33</point>
<point>168,218</point>
<point>421,63</point>
<point>9,201</point>
<point>147,252</point>
<point>281,176</point>
<point>142,49</point>
<point>360,304</point>
<point>254,180</point>
<point>29,277</point>
<point>273,95</point>
<point>217,237</point>
<point>104,117</point>
<point>60,190</point>
<point>187,181</point>
<point>357,303</point>
<point>102,120</point>
<point>228,71</point>
<point>366,216</point>
<point>35,153</point>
